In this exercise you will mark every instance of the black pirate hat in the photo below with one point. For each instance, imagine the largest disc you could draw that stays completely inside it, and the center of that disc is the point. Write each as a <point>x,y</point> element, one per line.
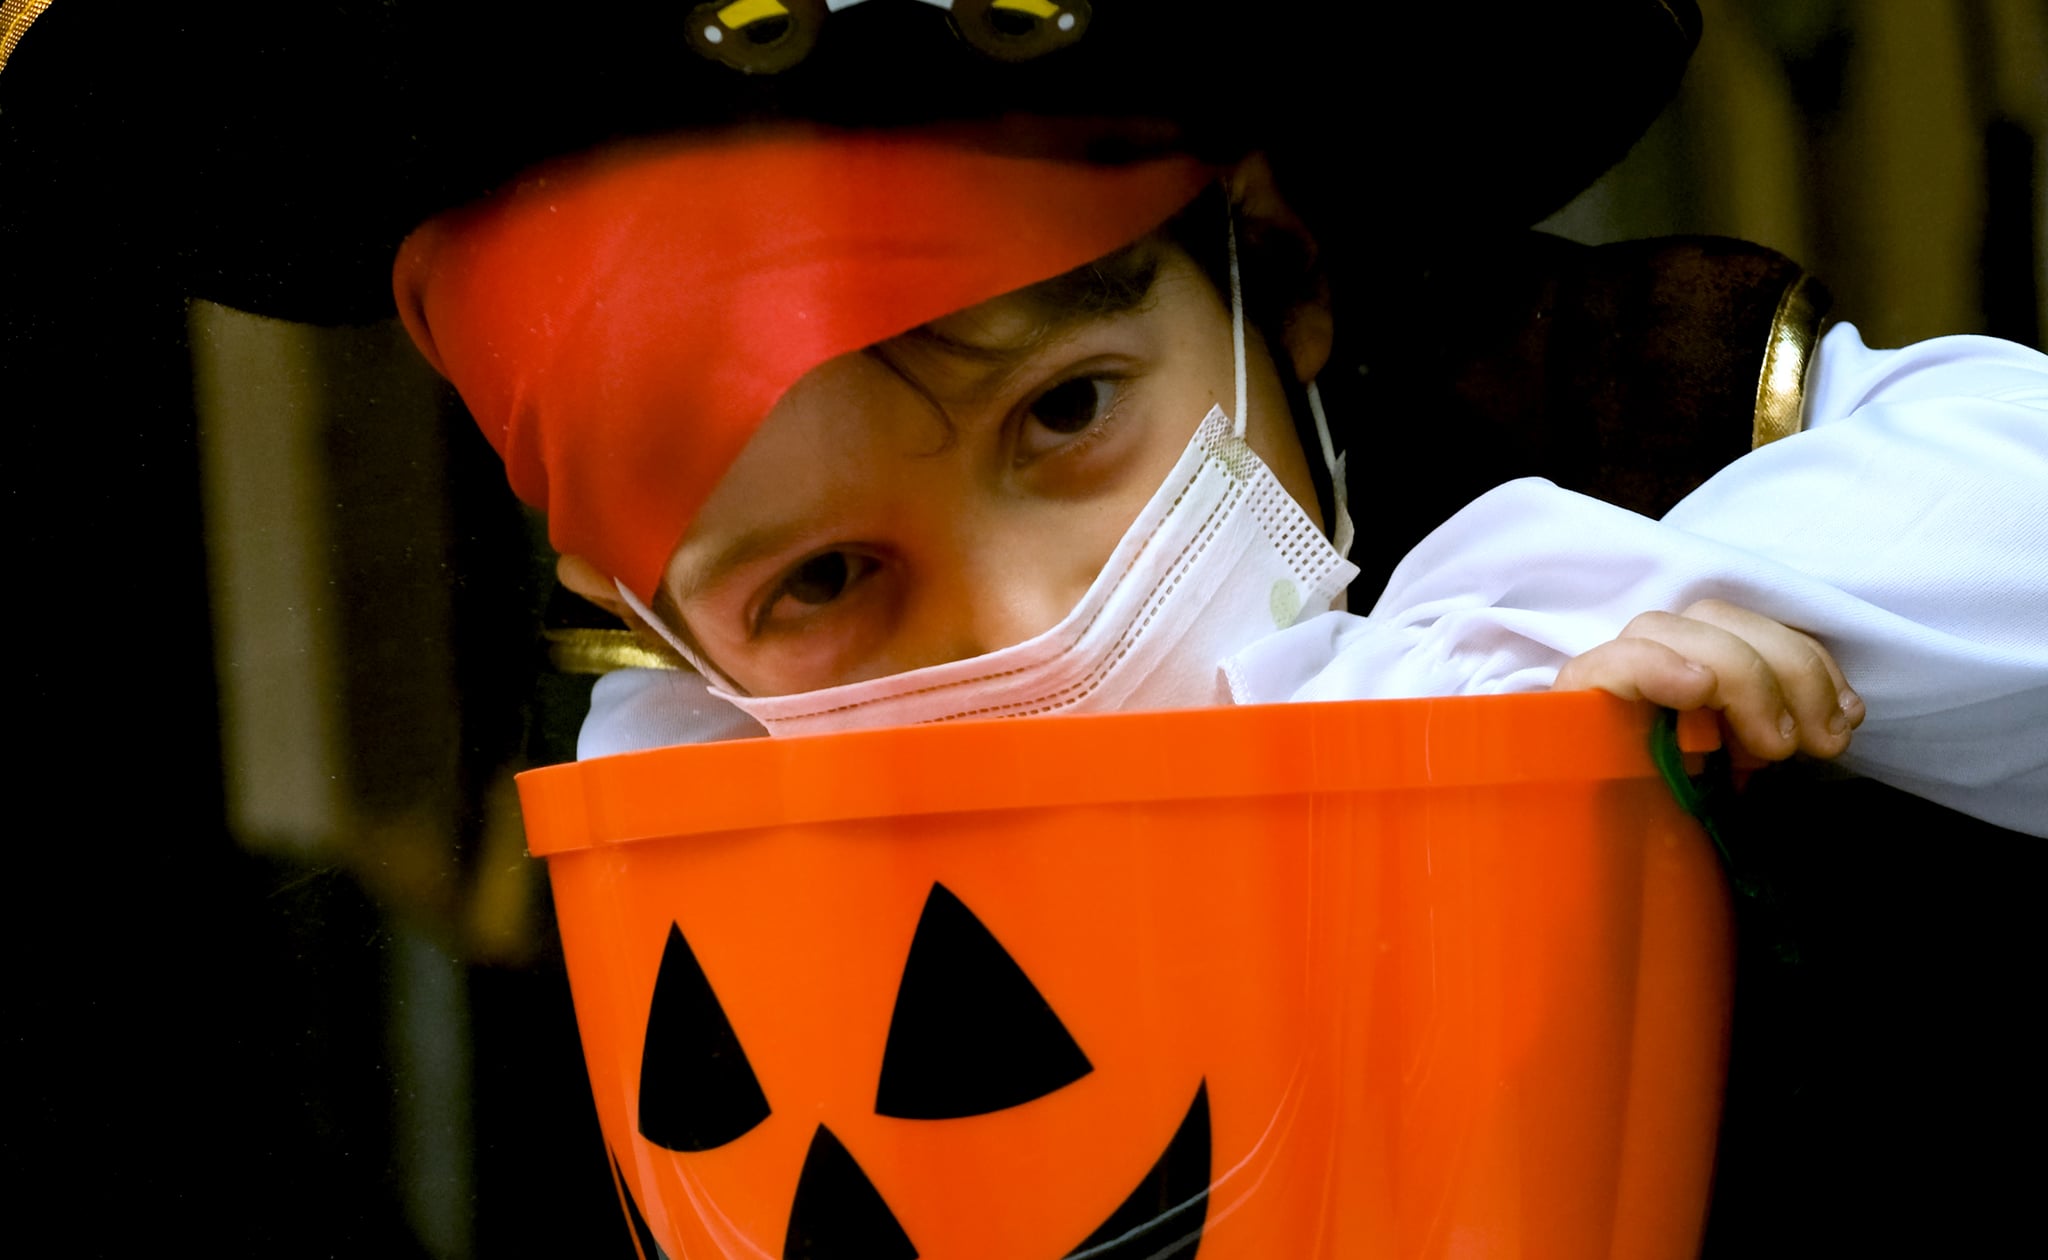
<point>274,155</point>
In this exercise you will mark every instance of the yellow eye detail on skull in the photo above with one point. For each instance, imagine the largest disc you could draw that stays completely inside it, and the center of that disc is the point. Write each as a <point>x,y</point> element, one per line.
<point>1036,8</point>
<point>756,36</point>
<point>746,12</point>
<point>768,36</point>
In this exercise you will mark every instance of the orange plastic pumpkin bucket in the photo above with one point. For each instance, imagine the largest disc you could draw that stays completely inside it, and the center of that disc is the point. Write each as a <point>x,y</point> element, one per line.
<point>1409,978</point>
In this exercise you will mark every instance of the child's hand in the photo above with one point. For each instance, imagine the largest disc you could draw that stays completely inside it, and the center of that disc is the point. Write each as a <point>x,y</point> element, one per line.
<point>1778,690</point>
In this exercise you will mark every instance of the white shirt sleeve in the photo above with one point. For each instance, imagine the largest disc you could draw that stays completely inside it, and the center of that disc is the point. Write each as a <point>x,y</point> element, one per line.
<point>1906,527</point>
<point>632,709</point>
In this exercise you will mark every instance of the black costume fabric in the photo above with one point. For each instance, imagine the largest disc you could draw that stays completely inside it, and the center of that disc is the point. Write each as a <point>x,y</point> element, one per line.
<point>285,149</point>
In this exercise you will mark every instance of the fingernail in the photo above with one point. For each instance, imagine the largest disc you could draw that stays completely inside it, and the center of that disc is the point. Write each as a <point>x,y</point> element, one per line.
<point>1786,726</point>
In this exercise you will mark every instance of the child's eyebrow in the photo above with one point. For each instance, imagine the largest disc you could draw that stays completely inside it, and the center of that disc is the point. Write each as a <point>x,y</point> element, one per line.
<point>696,579</point>
<point>1104,289</point>
<point>1112,285</point>
<point>994,352</point>
<point>990,363</point>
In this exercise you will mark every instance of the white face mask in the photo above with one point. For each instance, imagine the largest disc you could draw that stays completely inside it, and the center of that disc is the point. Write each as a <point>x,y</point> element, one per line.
<point>1221,557</point>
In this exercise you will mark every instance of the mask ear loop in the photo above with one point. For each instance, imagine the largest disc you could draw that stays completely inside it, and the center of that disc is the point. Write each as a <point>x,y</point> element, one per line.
<point>1342,532</point>
<point>674,640</point>
<point>1239,415</point>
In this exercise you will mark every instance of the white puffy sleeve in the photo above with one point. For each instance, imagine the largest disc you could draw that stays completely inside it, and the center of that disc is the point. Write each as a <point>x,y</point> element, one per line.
<point>632,709</point>
<point>1906,527</point>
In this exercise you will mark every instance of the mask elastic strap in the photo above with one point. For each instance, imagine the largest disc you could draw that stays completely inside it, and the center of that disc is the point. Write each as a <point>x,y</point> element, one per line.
<point>1238,414</point>
<point>1341,534</point>
<point>674,640</point>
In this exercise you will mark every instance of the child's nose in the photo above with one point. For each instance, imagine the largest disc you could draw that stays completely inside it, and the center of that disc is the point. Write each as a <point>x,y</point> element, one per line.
<point>1019,593</point>
<point>1007,616</point>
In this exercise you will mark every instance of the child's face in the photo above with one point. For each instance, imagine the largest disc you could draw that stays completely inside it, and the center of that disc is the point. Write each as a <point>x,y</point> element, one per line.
<point>956,490</point>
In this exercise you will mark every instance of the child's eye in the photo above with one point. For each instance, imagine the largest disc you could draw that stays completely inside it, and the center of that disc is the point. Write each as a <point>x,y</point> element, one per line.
<point>813,583</point>
<point>1071,406</point>
<point>1066,410</point>
<point>820,579</point>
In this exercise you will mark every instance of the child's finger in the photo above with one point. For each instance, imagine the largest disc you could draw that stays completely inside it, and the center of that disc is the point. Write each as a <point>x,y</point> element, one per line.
<point>1824,708</point>
<point>1640,668</point>
<point>1746,687</point>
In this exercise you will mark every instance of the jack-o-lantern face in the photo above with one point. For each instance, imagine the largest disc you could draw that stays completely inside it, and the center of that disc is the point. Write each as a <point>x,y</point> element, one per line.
<point>969,1035</point>
<point>1239,983</point>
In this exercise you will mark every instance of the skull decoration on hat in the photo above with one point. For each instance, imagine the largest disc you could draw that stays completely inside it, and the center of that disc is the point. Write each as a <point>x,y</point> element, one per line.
<point>766,36</point>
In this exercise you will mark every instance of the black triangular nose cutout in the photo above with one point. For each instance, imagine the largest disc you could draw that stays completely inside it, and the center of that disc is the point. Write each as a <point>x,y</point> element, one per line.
<point>838,1213</point>
<point>697,1090</point>
<point>649,1249</point>
<point>1165,1216</point>
<point>970,1033</point>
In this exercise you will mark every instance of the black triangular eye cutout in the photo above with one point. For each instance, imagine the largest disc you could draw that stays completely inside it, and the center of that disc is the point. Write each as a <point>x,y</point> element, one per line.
<point>1163,1219</point>
<point>970,1033</point>
<point>838,1212</point>
<point>649,1249</point>
<point>697,1090</point>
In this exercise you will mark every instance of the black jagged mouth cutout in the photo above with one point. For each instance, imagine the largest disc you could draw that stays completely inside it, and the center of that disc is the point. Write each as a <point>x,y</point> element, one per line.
<point>838,1214</point>
<point>1163,1219</point>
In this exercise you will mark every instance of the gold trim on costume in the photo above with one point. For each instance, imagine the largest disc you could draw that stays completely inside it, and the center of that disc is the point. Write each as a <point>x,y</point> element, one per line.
<point>591,651</point>
<point>16,16</point>
<point>1780,387</point>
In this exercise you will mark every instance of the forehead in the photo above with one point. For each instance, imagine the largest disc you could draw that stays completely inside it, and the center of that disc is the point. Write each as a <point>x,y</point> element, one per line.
<point>1025,319</point>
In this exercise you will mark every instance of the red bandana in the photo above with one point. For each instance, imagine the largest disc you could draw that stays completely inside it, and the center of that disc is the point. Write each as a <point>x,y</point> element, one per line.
<point>620,324</point>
